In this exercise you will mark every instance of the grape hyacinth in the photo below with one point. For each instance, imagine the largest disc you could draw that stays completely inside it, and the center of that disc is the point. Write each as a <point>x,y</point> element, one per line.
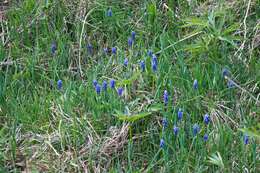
<point>230,83</point>
<point>150,53</point>
<point>162,143</point>
<point>113,50</point>
<point>154,66</point>
<point>246,139</point>
<point>53,47</point>
<point>206,119</point>
<point>196,129</point>
<point>195,84</point>
<point>154,59</point>
<point>95,82</point>
<point>133,35</point>
<point>225,72</point>
<point>112,83</point>
<point>130,42</point>
<point>175,130</point>
<point>180,114</point>
<point>165,97</point>
<point>98,89</point>
<point>59,84</point>
<point>205,137</point>
<point>120,91</point>
<point>109,12</point>
<point>125,62</point>
<point>104,85</point>
<point>142,65</point>
<point>164,123</point>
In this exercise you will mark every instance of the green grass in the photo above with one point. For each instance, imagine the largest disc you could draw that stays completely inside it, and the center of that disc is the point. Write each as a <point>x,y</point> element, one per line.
<point>74,129</point>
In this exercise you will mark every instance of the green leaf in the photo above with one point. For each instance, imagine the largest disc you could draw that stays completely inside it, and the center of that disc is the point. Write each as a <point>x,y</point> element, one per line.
<point>132,118</point>
<point>216,159</point>
<point>129,81</point>
<point>195,22</point>
<point>253,131</point>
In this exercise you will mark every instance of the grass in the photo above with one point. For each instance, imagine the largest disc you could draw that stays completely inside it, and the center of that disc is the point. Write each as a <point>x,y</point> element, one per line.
<point>76,129</point>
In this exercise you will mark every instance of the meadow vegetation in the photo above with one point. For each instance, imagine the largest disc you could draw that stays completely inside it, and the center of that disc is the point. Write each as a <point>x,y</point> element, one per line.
<point>130,86</point>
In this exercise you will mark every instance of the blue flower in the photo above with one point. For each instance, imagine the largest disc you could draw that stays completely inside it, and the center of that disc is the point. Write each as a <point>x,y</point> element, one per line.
<point>195,84</point>
<point>246,139</point>
<point>109,12</point>
<point>90,48</point>
<point>53,47</point>
<point>105,50</point>
<point>205,137</point>
<point>142,65</point>
<point>162,143</point>
<point>206,119</point>
<point>154,67</point>
<point>125,62</point>
<point>120,91</point>
<point>130,42</point>
<point>225,72</point>
<point>164,123</point>
<point>59,84</point>
<point>98,89</point>
<point>114,50</point>
<point>230,83</point>
<point>165,97</point>
<point>180,114</point>
<point>150,53</point>
<point>175,130</point>
<point>154,59</point>
<point>133,35</point>
<point>95,82</point>
<point>104,85</point>
<point>112,83</point>
<point>196,129</point>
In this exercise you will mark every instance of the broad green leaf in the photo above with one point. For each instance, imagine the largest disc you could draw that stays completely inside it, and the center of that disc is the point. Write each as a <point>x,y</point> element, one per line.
<point>132,118</point>
<point>195,22</point>
<point>253,132</point>
<point>129,81</point>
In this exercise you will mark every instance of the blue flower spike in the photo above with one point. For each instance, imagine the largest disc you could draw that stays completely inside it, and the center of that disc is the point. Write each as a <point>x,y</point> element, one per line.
<point>113,50</point>
<point>95,82</point>
<point>125,62</point>
<point>205,137</point>
<point>59,84</point>
<point>175,130</point>
<point>142,66</point>
<point>206,119</point>
<point>133,34</point>
<point>149,53</point>
<point>180,114</point>
<point>53,47</point>
<point>246,139</point>
<point>195,84</point>
<point>162,143</point>
<point>112,83</point>
<point>120,91</point>
<point>98,89</point>
<point>109,12</point>
<point>165,97</point>
<point>130,42</point>
<point>196,129</point>
<point>164,123</point>
<point>104,85</point>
